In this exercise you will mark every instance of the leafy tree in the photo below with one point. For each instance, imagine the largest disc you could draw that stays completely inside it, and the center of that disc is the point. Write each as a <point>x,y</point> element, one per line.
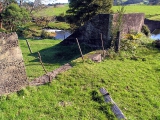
<point>14,16</point>
<point>81,11</point>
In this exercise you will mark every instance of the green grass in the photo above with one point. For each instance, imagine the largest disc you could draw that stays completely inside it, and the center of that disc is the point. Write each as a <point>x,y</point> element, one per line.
<point>59,25</point>
<point>53,55</point>
<point>151,12</point>
<point>133,84</point>
<point>51,11</point>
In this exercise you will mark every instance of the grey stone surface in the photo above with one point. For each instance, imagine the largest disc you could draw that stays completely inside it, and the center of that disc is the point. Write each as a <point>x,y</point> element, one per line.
<point>130,22</point>
<point>90,33</point>
<point>12,70</point>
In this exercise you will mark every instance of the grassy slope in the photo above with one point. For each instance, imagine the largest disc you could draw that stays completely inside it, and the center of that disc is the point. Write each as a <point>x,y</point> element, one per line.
<point>151,12</point>
<point>134,85</point>
<point>51,11</point>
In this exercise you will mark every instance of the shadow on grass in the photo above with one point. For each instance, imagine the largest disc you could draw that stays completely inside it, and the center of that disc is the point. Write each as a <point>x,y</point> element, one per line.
<point>104,107</point>
<point>60,54</point>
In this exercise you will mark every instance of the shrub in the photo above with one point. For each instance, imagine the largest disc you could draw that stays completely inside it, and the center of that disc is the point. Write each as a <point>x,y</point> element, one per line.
<point>145,30</point>
<point>44,34</point>
<point>133,36</point>
<point>156,43</point>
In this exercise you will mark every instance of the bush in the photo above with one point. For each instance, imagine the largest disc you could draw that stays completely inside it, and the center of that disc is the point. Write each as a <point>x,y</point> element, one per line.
<point>133,36</point>
<point>156,43</point>
<point>44,34</point>
<point>145,30</point>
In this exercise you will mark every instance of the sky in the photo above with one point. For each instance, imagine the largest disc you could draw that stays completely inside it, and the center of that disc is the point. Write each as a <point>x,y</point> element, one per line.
<point>51,1</point>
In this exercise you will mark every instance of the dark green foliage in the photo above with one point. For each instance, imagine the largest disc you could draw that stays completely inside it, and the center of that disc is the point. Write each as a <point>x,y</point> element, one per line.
<point>145,30</point>
<point>156,43</point>
<point>14,16</point>
<point>83,10</point>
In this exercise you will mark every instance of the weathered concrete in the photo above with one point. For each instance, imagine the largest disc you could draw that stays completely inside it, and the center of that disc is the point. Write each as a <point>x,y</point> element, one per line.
<point>12,70</point>
<point>130,22</point>
<point>152,24</point>
<point>90,33</point>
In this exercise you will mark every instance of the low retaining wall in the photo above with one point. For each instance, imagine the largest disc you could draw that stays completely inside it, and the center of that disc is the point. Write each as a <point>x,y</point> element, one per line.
<point>12,71</point>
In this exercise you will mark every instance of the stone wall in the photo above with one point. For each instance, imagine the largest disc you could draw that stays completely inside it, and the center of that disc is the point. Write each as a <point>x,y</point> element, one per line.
<point>152,25</point>
<point>90,33</point>
<point>12,71</point>
<point>131,22</point>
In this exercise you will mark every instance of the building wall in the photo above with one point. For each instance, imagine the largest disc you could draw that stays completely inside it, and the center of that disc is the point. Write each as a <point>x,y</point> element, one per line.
<point>12,70</point>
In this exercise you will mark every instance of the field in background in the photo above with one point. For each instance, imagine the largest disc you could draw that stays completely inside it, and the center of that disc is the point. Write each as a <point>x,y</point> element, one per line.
<point>151,12</point>
<point>52,11</point>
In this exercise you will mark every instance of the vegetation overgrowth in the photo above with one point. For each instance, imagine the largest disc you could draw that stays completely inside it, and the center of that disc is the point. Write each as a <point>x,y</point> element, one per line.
<point>132,80</point>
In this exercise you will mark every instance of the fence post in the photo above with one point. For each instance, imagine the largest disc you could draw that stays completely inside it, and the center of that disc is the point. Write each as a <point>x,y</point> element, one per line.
<point>28,46</point>
<point>80,49</point>
<point>117,43</point>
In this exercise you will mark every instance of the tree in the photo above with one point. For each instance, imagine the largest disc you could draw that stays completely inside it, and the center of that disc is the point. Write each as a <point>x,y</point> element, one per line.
<point>14,16</point>
<point>81,11</point>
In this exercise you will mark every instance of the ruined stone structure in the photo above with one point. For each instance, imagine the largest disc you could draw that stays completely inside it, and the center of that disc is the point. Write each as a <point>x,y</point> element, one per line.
<point>12,71</point>
<point>90,33</point>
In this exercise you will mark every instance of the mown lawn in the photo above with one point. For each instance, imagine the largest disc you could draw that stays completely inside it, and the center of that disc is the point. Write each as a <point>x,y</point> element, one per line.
<point>74,95</point>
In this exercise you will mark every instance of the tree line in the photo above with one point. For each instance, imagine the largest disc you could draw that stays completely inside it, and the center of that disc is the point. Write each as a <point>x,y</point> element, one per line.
<point>14,13</point>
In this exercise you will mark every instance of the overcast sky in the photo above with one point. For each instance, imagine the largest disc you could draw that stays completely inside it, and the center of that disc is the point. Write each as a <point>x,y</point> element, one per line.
<point>51,1</point>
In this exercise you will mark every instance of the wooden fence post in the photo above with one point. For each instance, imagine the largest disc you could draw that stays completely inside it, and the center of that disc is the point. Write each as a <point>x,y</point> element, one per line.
<point>102,46</point>
<point>28,46</point>
<point>80,49</point>
<point>41,62</point>
<point>117,43</point>
<point>115,108</point>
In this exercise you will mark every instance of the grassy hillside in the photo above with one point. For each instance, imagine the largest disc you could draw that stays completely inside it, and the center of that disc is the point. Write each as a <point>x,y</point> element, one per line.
<point>52,11</point>
<point>133,84</point>
<point>151,12</point>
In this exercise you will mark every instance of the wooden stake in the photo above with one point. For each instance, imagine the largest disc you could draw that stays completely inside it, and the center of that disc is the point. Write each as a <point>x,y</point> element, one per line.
<point>102,46</point>
<point>41,62</point>
<point>28,46</point>
<point>115,108</point>
<point>80,49</point>
<point>117,43</point>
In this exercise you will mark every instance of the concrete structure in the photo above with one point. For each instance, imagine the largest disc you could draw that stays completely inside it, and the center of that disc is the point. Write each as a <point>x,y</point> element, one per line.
<point>12,71</point>
<point>104,24</point>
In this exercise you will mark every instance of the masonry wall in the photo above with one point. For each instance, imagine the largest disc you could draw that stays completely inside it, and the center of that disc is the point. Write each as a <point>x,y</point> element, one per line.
<point>90,33</point>
<point>152,24</point>
<point>12,70</point>
<point>130,22</point>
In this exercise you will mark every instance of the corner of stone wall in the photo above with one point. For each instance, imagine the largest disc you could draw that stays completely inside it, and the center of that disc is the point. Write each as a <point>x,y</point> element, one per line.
<point>12,69</point>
